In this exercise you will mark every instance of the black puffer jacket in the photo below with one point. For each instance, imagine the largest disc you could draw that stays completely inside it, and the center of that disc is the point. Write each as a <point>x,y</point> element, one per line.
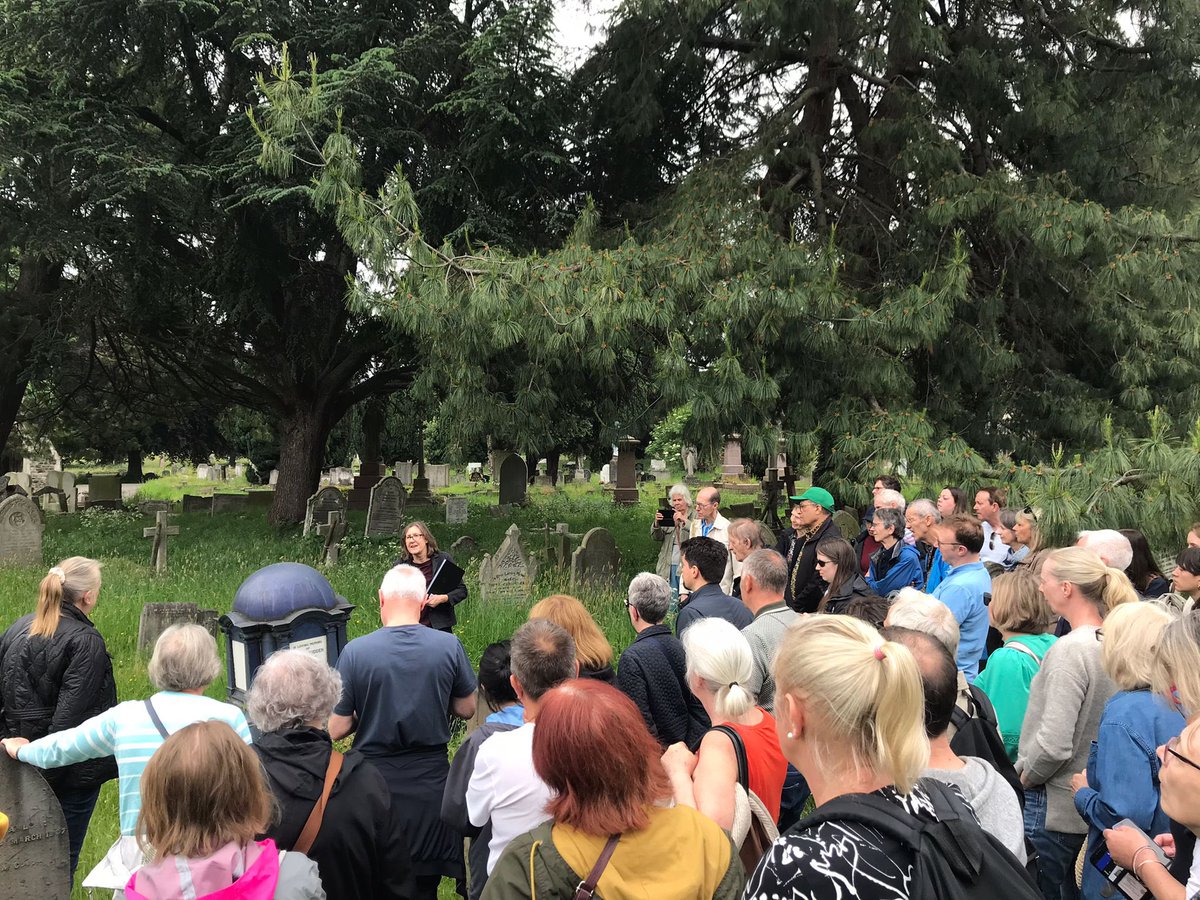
<point>51,684</point>
<point>855,587</point>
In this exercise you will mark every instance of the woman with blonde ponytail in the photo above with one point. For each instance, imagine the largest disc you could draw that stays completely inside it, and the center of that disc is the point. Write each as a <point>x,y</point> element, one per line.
<point>719,665</point>
<point>850,709</point>
<point>55,673</point>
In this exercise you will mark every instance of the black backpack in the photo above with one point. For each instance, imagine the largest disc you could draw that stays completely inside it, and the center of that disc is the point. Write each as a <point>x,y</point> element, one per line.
<point>953,858</point>
<point>977,733</point>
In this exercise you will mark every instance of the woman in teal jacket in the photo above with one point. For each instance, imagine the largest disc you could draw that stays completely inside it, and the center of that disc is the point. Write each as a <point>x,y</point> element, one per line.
<point>1021,615</point>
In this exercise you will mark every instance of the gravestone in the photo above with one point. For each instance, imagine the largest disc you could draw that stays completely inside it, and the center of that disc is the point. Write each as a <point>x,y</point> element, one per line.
<point>507,575</point>
<point>34,858</point>
<point>404,470</point>
<point>239,471</point>
<point>626,493</point>
<point>438,475</point>
<point>273,478</point>
<point>260,499</point>
<point>847,524</point>
<point>321,504</point>
<point>456,510</point>
<point>202,471</point>
<point>158,617</point>
<point>65,482</point>
<point>21,480</point>
<point>741,511</point>
<point>105,491</point>
<point>543,481</point>
<point>606,473</point>
<point>227,503</point>
<point>196,503</point>
<point>20,532</point>
<point>385,511</point>
<point>731,466</point>
<point>334,530</point>
<point>596,563</point>
<point>514,479</point>
<point>154,507</point>
<point>129,491</point>
<point>462,548</point>
<point>160,532</point>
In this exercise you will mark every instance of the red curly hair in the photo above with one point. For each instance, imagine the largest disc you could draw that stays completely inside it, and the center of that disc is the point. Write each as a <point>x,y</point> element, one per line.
<point>592,747</point>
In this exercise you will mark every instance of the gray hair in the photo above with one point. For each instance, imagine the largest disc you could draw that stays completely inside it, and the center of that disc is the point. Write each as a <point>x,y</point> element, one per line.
<point>719,655</point>
<point>892,518</point>
<point>403,582</point>
<point>893,499</point>
<point>542,656</point>
<point>292,688</point>
<point>680,490</point>
<point>184,658</point>
<point>925,507</point>
<point>650,595</point>
<point>769,570</point>
<point>923,612</point>
<point>1111,546</point>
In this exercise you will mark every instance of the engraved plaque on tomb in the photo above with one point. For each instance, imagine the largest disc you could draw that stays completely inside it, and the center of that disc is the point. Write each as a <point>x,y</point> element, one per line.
<point>34,858</point>
<point>507,575</point>
<point>20,532</point>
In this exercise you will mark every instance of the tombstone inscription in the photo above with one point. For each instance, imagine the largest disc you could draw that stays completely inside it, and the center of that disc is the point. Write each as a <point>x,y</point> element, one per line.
<point>385,511</point>
<point>597,560</point>
<point>34,857</point>
<point>507,575</point>
<point>456,510</point>
<point>321,504</point>
<point>20,532</point>
<point>158,617</point>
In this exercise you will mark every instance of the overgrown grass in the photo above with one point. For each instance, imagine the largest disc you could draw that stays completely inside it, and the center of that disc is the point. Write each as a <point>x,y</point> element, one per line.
<point>213,555</point>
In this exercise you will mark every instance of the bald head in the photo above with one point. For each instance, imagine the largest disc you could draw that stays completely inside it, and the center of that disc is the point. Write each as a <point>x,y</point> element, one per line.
<point>707,501</point>
<point>939,676</point>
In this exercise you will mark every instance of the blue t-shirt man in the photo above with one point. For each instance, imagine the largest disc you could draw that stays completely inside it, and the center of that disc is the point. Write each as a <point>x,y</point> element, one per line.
<point>963,590</point>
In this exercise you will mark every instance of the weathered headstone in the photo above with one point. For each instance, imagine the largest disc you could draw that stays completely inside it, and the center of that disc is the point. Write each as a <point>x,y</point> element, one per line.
<point>626,493</point>
<point>606,474</point>
<point>404,470</point>
<point>543,481</point>
<point>847,524</point>
<point>385,512</point>
<point>514,479</point>
<point>34,858</point>
<point>462,548</point>
<point>202,471</point>
<point>334,530</point>
<point>65,483</point>
<point>226,503</point>
<point>21,480</point>
<point>158,617</point>
<point>20,532</point>
<point>596,562</point>
<point>438,475</point>
<point>260,499</point>
<point>196,503</point>
<point>583,475</point>
<point>321,504</point>
<point>731,467</point>
<point>273,478</point>
<point>160,532</point>
<point>153,507</point>
<point>456,510</point>
<point>105,491</point>
<point>508,575</point>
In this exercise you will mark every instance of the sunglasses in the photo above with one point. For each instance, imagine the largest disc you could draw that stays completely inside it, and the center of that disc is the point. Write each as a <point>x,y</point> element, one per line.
<point>1171,751</point>
<point>1028,511</point>
<point>822,563</point>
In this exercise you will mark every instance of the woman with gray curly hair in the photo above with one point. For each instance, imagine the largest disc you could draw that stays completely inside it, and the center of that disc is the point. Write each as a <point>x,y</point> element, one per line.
<point>359,845</point>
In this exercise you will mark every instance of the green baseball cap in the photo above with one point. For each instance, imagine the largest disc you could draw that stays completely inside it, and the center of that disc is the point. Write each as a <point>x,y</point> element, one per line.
<point>816,495</point>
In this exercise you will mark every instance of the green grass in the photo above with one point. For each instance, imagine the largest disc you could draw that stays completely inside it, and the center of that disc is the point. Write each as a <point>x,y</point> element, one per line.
<point>213,555</point>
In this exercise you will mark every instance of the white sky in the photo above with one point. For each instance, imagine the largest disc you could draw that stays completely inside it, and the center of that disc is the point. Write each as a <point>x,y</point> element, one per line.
<point>580,25</point>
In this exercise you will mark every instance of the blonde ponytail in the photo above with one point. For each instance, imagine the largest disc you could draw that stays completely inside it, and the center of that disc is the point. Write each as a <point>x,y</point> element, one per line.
<point>1103,586</point>
<point>68,581</point>
<point>1118,589</point>
<point>863,697</point>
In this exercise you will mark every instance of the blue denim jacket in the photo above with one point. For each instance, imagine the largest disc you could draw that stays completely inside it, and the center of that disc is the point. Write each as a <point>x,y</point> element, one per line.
<point>1122,770</point>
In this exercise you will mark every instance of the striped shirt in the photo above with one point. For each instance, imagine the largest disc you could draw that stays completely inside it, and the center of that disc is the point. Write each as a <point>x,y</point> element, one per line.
<point>127,732</point>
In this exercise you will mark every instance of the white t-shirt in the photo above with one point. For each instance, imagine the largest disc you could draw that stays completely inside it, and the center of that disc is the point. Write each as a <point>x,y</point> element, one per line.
<point>1193,885</point>
<point>505,788</point>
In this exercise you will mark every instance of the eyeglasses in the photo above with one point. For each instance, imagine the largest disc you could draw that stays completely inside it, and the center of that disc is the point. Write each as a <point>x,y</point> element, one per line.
<point>822,563</point>
<point>1171,751</point>
<point>950,544</point>
<point>1028,511</point>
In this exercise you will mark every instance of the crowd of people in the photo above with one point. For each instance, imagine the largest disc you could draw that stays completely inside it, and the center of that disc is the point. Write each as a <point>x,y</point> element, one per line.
<point>937,705</point>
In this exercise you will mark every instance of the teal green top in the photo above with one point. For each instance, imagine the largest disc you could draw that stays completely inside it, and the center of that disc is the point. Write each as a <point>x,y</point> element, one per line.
<point>1006,680</point>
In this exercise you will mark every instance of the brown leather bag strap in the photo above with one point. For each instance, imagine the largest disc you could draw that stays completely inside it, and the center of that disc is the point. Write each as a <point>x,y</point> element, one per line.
<point>586,889</point>
<point>313,825</point>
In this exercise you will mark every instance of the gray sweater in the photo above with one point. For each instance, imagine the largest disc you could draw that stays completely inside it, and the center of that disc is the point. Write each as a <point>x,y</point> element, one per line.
<point>764,635</point>
<point>993,799</point>
<point>1066,701</point>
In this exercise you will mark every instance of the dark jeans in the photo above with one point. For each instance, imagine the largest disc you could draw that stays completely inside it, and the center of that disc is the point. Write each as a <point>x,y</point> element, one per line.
<point>77,805</point>
<point>1057,850</point>
<point>791,802</point>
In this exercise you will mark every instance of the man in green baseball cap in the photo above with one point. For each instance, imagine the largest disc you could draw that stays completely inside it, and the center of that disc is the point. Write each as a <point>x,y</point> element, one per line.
<point>812,523</point>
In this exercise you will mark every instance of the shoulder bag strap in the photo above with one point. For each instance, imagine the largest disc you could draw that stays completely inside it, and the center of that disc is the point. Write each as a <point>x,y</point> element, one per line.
<point>586,889</point>
<point>162,729</point>
<point>1013,645</point>
<point>739,750</point>
<point>313,825</point>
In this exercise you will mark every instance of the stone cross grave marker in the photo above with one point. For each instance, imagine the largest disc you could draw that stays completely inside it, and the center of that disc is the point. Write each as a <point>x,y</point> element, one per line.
<point>456,510</point>
<point>34,859</point>
<point>507,575</point>
<point>385,510</point>
<point>596,562</point>
<point>321,504</point>
<point>160,532</point>
<point>334,530</point>
<point>158,617</point>
<point>514,479</point>
<point>20,532</point>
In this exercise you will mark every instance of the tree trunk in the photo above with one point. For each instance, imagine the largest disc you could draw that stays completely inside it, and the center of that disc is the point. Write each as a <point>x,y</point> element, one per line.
<point>12,392</point>
<point>552,459</point>
<point>303,435</point>
<point>133,471</point>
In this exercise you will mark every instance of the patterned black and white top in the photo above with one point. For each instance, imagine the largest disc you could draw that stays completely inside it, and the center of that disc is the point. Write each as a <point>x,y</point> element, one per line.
<point>840,860</point>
